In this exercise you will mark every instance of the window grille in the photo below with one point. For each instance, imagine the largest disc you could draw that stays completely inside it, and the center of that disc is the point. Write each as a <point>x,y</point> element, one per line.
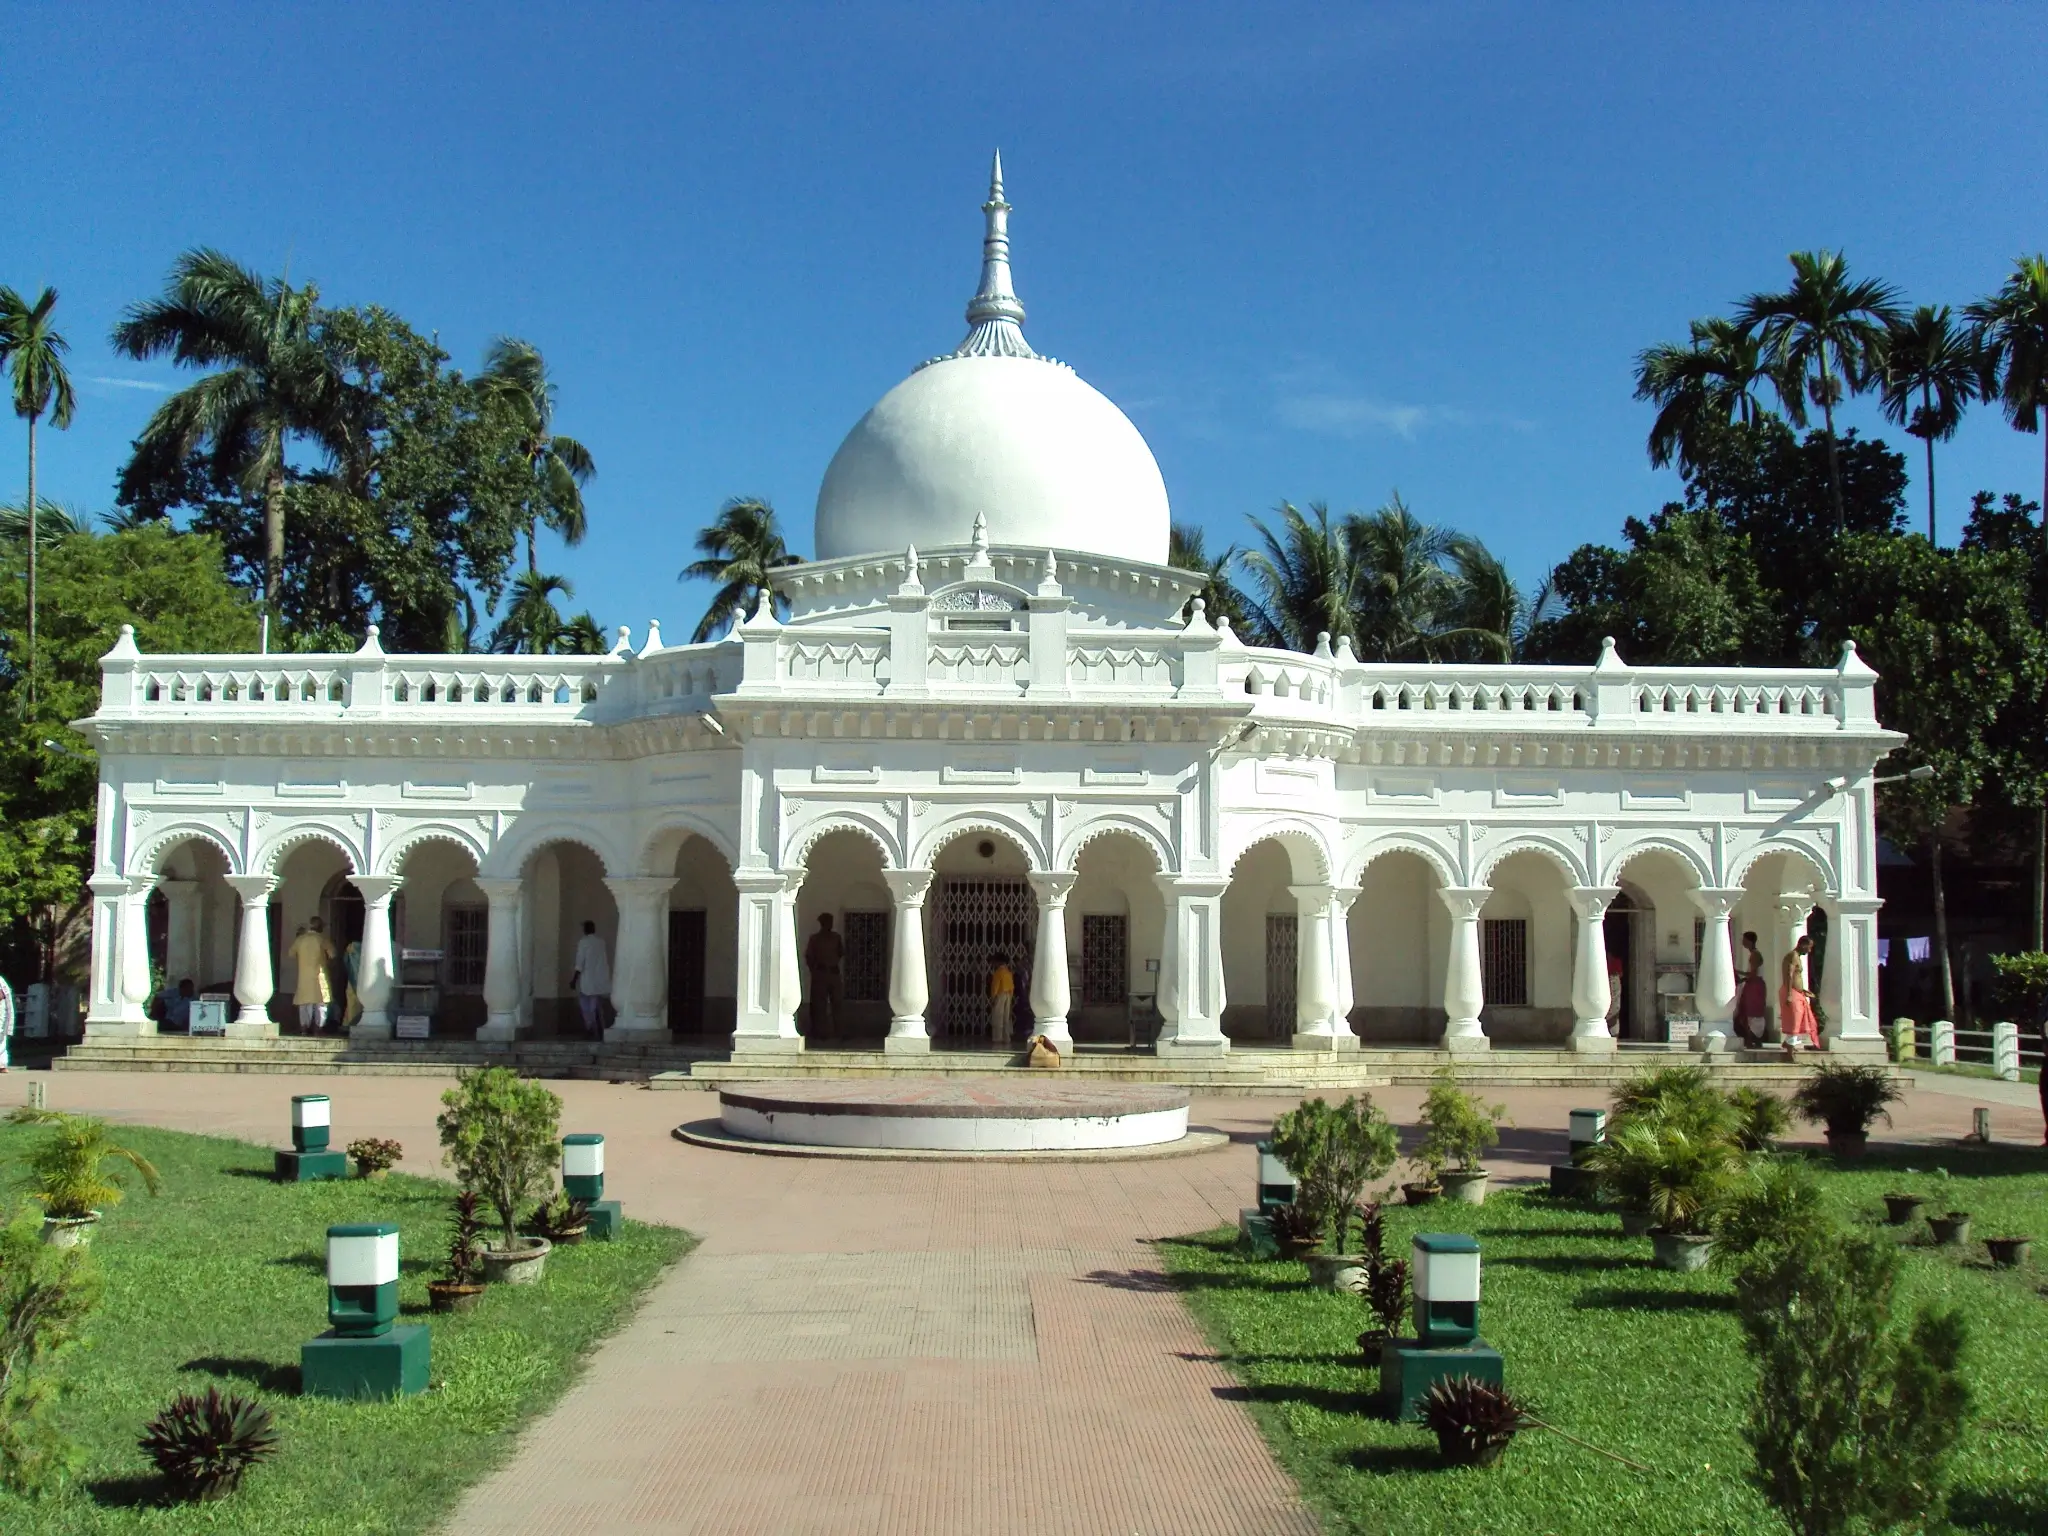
<point>1105,960</point>
<point>468,935</point>
<point>867,957</point>
<point>976,920</point>
<point>1282,958</point>
<point>1504,960</point>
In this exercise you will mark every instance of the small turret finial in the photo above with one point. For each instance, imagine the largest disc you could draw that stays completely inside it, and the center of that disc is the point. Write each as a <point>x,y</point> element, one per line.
<point>995,315</point>
<point>980,538</point>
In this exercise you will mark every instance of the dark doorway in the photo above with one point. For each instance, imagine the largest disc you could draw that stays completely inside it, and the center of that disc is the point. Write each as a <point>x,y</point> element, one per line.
<point>686,971</point>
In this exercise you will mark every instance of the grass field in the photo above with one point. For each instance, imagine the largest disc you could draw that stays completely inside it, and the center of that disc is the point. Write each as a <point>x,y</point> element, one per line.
<point>219,1281</point>
<point>1631,1357</point>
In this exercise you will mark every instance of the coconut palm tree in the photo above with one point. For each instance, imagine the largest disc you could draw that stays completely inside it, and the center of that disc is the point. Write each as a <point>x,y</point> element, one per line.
<point>32,349</point>
<point>559,466</point>
<point>1485,616</point>
<point>1304,579</point>
<point>2012,328</point>
<point>532,623</point>
<point>742,550</point>
<point>1187,550</point>
<point>1716,379</point>
<point>1400,584</point>
<point>274,383</point>
<point>51,523</point>
<point>1933,368</point>
<point>1823,340</point>
<point>582,636</point>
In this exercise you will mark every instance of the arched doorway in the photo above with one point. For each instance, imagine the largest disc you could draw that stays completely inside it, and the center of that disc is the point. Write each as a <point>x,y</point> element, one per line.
<point>1116,926</point>
<point>1400,934</point>
<point>845,897</point>
<point>563,888</point>
<point>981,908</point>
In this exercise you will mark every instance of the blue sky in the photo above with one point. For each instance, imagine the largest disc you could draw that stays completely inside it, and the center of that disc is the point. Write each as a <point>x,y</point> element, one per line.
<point>1314,252</point>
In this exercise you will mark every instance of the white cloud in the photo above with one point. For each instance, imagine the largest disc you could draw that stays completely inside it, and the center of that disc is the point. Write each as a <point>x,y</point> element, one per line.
<point>1356,415</point>
<point>148,386</point>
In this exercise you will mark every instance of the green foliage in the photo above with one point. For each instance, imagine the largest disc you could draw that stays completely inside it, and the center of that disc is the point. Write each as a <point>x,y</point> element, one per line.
<point>465,1262</point>
<point>2023,985</point>
<point>46,1294</point>
<point>1187,549</point>
<point>1684,1096</point>
<point>1848,1097</point>
<point>1780,1205</point>
<point>67,1173</point>
<point>502,1135</point>
<point>1458,1127</point>
<point>374,1154</point>
<point>557,467</point>
<point>1472,1420</point>
<point>1386,1290</point>
<point>204,1446</point>
<point>559,1218</point>
<point>742,550</point>
<point>1333,1154</point>
<point>1761,1117</point>
<point>1677,1175</point>
<point>1853,1427</point>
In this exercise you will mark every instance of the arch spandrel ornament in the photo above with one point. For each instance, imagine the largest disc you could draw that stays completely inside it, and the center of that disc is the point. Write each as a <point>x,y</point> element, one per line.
<point>1810,848</point>
<point>1013,828</point>
<point>402,843</point>
<point>271,854</point>
<point>511,856</point>
<point>162,841</point>
<point>1625,849</point>
<point>797,846</point>
<point>1441,857</point>
<point>672,830</point>
<point>1141,826</point>
<point>1555,849</point>
<point>1304,841</point>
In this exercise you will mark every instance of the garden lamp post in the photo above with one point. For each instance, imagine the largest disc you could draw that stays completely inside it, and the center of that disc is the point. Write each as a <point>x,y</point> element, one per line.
<point>1444,1270</point>
<point>366,1351</point>
<point>583,1179</point>
<point>1589,1129</point>
<point>1573,1180</point>
<point>309,1156</point>
<point>1276,1184</point>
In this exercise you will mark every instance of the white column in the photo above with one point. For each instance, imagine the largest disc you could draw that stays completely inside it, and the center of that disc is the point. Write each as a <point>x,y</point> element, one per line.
<point>1313,1000</point>
<point>1464,984</point>
<point>909,986</point>
<point>789,973</point>
<point>182,957</point>
<point>1342,992</point>
<point>1848,982</point>
<point>120,948</point>
<point>1051,994</point>
<point>375,972</point>
<point>1714,989</point>
<point>254,982</point>
<point>1590,992</point>
<point>1793,908</point>
<point>640,968</point>
<point>1191,966</point>
<point>762,1025</point>
<point>501,958</point>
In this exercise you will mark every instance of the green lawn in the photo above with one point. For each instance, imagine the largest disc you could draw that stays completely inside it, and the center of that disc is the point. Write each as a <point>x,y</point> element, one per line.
<point>1644,1362</point>
<point>221,1279</point>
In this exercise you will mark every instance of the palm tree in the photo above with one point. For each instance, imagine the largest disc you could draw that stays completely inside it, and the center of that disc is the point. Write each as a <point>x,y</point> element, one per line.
<point>1187,550</point>
<point>1823,339</point>
<point>532,622</point>
<point>742,550</point>
<point>1485,617</point>
<point>582,636</point>
<point>2012,327</point>
<point>1304,579</point>
<point>559,466</point>
<point>1930,356</point>
<point>1400,583</point>
<point>275,382</point>
<point>33,351</point>
<point>1697,388</point>
<point>53,522</point>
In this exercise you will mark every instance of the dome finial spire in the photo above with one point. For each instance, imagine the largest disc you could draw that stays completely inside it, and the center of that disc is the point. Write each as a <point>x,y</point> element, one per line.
<point>995,315</point>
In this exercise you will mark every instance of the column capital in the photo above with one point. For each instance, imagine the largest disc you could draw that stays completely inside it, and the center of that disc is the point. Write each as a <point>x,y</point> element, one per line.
<point>1315,895</point>
<point>1464,901</point>
<point>1717,901</point>
<point>1174,883</point>
<point>1344,895</point>
<point>762,882</point>
<point>253,889</point>
<point>376,889</point>
<point>1853,906</point>
<point>499,889</point>
<point>111,885</point>
<point>908,886</point>
<point>627,889</point>
<point>1052,885</point>
<point>1797,906</point>
<point>1592,901</point>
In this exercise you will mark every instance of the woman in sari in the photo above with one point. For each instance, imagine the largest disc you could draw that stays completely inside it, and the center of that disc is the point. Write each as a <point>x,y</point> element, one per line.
<point>1752,999</point>
<point>1796,1021</point>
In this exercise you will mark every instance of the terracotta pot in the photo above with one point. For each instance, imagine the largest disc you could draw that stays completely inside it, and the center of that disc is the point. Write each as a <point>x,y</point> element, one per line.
<point>449,1296</point>
<point>1465,1186</point>
<point>1900,1209</point>
<point>1683,1252</point>
<point>570,1238</point>
<point>1952,1230</point>
<point>1336,1271</point>
<point>1848,1143</point>
<point>2009,1252</point>
<point>1370,1343</point>
<point>372,1173</point>
<point>69,1231</point>
<point>1420,1194</point>
<point>1458,1454</point>
<point>1636,1223</point>
<point>518,1266</point>
<point>1297,1247</point>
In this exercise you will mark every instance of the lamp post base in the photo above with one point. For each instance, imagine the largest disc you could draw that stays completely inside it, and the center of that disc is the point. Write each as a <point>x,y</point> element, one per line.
<point>304,1167</point>
<point>390,1364</point>
<point>606,1220</point>
<point>1408,1371</point>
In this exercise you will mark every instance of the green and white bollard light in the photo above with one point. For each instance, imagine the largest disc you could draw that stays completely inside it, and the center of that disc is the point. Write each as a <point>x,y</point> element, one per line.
<point>366,1352</point>
<point>1444,1270</point>
<point>1572,1181</point>
<point>583,1179</point>
<point>309,1156</point>
<point>1255,1222</point>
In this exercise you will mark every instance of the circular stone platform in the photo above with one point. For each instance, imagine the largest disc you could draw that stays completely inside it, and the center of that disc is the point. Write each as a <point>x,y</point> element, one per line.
<point>936,1116</point>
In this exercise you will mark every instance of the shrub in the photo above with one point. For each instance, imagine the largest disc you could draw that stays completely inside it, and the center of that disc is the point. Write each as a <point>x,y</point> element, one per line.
<point>2023,985</point>
<point>1680,1178</point>
<point>45,1296</point>
<point>1848,1097</point>
<point>502,1134</point>
<point>465,1262</point>
<point>1294,1225</point>
<point>1761,1117</point>
<point>67,1173</point>
<point>1782,1205</point>
<point>558,1218</point>
<point>374,1154</point>
<point>1386,1280</point>
<point>1473,1420</point>
<point>1682,1096</point>
<point>1852,1426</point>
<point>1333,1154</point>
<point>204,1445</point>
<point>1459,1126</point>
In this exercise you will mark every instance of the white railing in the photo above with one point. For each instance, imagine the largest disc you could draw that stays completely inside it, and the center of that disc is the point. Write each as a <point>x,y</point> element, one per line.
<point>2006,1048</point>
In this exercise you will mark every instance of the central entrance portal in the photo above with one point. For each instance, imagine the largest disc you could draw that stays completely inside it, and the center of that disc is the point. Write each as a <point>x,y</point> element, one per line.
<point>976,919</point>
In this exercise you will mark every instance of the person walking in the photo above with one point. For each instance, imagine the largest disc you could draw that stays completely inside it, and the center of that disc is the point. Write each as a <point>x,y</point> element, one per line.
<point>1751,996</point>
<point>1002,997</point>
<point>312,954</point>
<point>1796,1022</point>
<point>351,966</point>
<point>592,980</point>
<point>824,957</point>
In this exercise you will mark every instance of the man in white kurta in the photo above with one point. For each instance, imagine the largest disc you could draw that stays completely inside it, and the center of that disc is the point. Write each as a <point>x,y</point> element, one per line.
<point>592,979</point>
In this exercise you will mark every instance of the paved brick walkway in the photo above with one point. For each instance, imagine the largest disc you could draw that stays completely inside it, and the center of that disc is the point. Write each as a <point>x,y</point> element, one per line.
<point>884,1348</point>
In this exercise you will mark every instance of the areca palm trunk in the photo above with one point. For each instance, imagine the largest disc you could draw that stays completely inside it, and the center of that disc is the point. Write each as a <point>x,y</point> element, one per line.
<point>1827,405</point>
<point>1927,416</point>
<point>32,556</point>
<point>532,531</point>
<point>1948,983</point>
<point>273,538</point>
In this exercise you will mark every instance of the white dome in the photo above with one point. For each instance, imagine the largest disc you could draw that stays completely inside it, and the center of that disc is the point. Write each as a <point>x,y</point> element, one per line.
<point>1048,460</point>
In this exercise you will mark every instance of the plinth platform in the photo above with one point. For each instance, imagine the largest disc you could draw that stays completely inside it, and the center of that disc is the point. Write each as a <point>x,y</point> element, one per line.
<point>936,1115</point>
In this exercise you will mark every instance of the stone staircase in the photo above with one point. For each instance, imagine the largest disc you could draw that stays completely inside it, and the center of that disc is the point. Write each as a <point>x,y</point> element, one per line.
<point>317,1056</point>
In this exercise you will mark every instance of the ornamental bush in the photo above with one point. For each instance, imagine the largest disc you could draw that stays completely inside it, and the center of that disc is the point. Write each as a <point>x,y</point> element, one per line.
<point>502,1135</point>
<point>1459,1127</point>
<point>1333,1154</point>
<point>45,1295</point>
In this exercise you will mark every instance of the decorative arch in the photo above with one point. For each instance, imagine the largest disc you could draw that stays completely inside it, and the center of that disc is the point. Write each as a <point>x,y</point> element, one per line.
<point>797,846</point>
<point>1099,827</point>
<point>997,823</point>
<point>1439,860</point>
<point>511,856</point>
<point>1814,859</point>
<point>1555,849</point>
<point>1304,842</point>
<point>1693,861</point>
<point>411,837</point>
<point>691,825</point>
<point>273,854</point>
<point>149,858</point>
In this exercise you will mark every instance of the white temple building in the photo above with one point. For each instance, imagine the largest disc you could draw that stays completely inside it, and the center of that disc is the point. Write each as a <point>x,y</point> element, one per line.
<point>995,720</point>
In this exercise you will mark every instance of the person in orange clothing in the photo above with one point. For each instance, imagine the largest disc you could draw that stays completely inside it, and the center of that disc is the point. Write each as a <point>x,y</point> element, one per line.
<point>1002,997</point>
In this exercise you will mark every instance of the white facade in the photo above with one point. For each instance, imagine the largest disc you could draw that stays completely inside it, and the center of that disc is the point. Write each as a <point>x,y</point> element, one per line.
<point>990,744</point>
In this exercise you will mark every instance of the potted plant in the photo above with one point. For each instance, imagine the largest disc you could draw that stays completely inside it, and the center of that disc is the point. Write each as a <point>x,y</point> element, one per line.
<point>1899,1208</point>
<point>1473,1420</point>
<point>375,1156</point>
<point>203,1446</point>
<point>562,1221</point>
<point>2008,1252</point>
<point>1295,1231</point>
<point>1952,1230</point>
<point>1333,1153</point>
<point>1385,1291</point>
<point>1458,1129</point>
<point>461,1285</point>
<point>502,1133</point>
<point>1677,1179</point>
<point>1846,1097</point>
<point>1761,1117</point>
<point>68,1177</point>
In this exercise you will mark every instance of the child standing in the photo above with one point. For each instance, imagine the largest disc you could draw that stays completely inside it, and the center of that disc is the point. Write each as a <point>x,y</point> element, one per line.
<point>1002,995</point>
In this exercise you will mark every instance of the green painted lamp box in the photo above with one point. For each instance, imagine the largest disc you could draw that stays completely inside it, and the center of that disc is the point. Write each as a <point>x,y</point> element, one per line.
<point>309,1156</point>
<point>1276,1184</point>
<point>583,1179</point>
<point>1444,1270</point>
<point>366,1353</point>
<point>1589,1129</point>
<point>1573,1180</point>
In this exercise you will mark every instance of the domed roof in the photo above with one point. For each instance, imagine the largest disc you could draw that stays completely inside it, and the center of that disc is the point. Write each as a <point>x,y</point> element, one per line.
<point>993,429</point>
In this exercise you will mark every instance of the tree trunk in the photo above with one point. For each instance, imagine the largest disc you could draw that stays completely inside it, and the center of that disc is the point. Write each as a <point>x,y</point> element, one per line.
<point>1927,418</point>
<point>1948,981</point>
<point>2040,872</point>
<point>532,559</point>
<point>273,540</point>
<point>1827,405</point>
<point>32,558</point>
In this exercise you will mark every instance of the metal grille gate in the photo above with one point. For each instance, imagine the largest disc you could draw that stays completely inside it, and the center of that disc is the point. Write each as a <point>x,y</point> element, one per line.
<point>977,920</point>
<point>1283,936</point>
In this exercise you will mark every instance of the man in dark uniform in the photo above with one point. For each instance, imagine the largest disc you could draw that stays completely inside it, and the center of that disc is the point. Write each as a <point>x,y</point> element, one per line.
<point>823,956</point>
